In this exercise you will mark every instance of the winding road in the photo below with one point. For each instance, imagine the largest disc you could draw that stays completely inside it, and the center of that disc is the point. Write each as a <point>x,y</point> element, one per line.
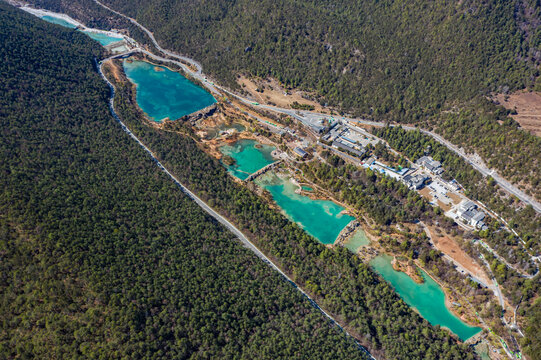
<point>309,116</point>
<point>222,220</point>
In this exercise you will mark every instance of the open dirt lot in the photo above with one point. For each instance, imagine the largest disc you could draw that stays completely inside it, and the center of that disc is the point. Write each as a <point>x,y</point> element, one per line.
<point>528,107</point>
<point>274,93</point>
<point>446,245</point>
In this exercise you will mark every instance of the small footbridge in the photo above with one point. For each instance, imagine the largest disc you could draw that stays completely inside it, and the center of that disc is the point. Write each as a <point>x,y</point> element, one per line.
<point>262,171</point>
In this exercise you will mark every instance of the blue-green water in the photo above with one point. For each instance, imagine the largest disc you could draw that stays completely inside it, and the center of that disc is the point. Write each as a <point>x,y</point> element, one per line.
<point>58,21</point>
<point>99,37</point>
<point>307,188</point>
<point>356,241</point>
<point>320,218</point>
<point>163,93</point>
<point>248,157</point>
<point>428,298</point>
<point>102,38</point>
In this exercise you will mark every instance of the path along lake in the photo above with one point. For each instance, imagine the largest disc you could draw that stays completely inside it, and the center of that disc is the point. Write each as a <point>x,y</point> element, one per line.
<point>323,219</point>
<point>249,155</point>
<point>102,38</point>
<point>162,93</point>
<point>358,240</point>
<point>428,298</point>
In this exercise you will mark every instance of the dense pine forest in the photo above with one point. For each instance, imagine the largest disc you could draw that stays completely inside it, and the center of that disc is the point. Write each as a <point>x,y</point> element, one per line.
<point>431,63</point>
<point>339,281</point>
<point>101,255</point>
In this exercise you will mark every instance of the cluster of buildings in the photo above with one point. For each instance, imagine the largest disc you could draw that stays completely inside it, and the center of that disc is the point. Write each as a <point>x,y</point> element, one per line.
<point>397,174</point>
<point>469,213</point>
<point>345,138</point>
<point>430,164</point>
<point>415,182</point>
<point>346,144</point>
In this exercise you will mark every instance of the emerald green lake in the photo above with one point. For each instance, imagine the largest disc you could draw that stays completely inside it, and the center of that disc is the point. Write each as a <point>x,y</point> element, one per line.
<point>428,298</point>
<point>162,93</point>
<point>249,156</point>
<point>320,218</point>
<point>356,241</point>
<point>102,38</point>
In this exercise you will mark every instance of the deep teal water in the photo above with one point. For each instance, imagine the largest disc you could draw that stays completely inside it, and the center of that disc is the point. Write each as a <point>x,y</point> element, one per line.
<point>428,298</point>
<point>103,39</point>
<point>320,218</point>
<point>248,157</point>
<point>163,93</point>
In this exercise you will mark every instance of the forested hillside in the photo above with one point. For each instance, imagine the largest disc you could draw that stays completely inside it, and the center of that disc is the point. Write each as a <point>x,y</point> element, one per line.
<point>339,281</point>
<point>430,63</point>
<point>101,255</point>
<point>401,59</point>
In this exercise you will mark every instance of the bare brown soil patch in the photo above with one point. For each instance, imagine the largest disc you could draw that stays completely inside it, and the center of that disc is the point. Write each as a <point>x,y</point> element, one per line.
<point>114,70</point>
<point>425,192</point>
<point>273,92</point>
<point>443,206</point>
<point>455,198</point>
<point>448,246</point>
<point>528,107</point>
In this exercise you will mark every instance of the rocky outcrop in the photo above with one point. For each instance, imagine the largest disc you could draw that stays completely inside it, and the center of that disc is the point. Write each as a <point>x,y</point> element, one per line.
<point>201,114</point>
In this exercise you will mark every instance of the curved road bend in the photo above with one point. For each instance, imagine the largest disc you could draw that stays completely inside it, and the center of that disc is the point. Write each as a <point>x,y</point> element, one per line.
<point>151,36</point>
<point>308,114</point>
<point>213,213</point>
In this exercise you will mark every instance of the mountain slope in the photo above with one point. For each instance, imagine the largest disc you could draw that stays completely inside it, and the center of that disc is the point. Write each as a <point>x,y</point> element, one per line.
<point>101,255</point>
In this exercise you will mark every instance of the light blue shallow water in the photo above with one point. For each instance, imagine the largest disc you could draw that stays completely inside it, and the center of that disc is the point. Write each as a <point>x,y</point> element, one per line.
<point>320,218</point>
<point>58,21</point>
<point>102,38</point>
<point>428,298</point>
<point>357,240</point>
<point>163,93</point>
<point>249,155</point>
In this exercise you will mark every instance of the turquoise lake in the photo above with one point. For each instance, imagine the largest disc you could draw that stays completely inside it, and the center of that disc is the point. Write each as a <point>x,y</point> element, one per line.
<point>102,38</point>
<point>162,93</point>
<point>58,21</point>
<point>248,157</point>
<point>356,241</point>
<point>166,94</point>
<point>320,218</point>
<point>428,298</point>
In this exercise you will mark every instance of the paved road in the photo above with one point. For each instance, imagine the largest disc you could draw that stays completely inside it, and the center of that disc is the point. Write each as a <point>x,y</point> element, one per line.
<point>501,259</point>
<point>212,212</point>
<point>151,36</point>
<point>307,116</point>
